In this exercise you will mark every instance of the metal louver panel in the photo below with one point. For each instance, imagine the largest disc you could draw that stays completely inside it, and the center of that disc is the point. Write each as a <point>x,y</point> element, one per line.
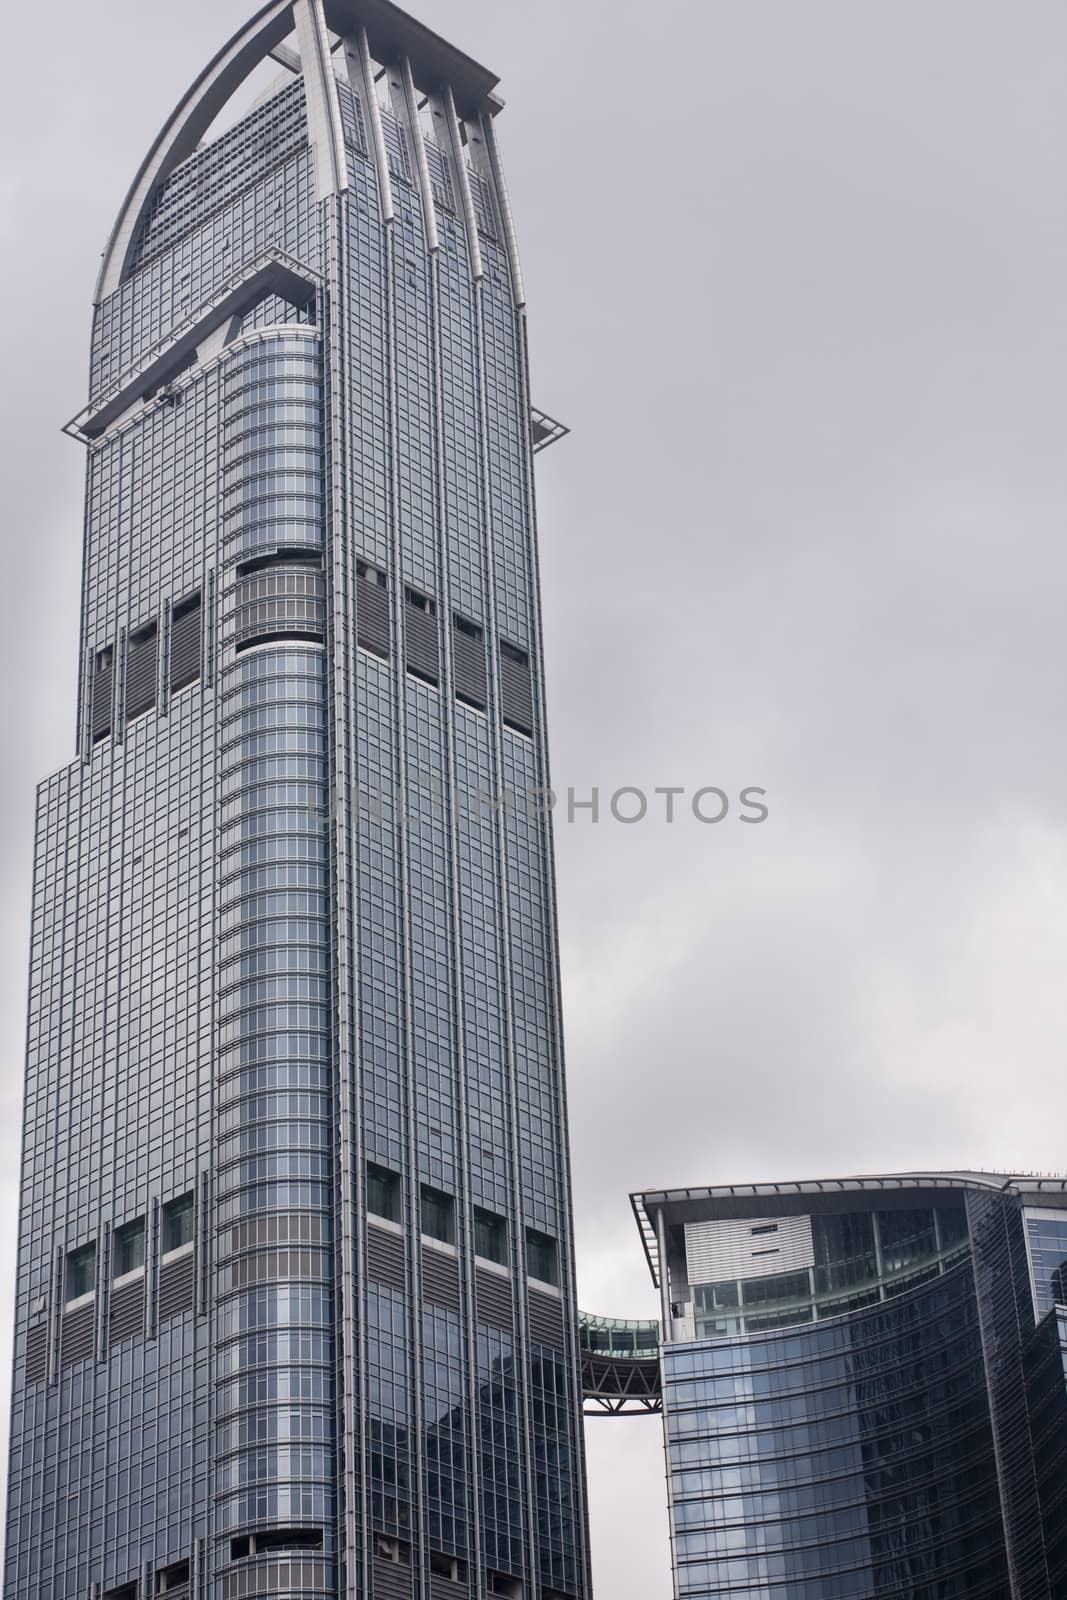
<point>37,1352</point>
<point>420,638</point>
<point>516,688</point>
<point>141,671</point>
<point>77,1335</point>
<point>445,1589</point>
<point>756,1247</point>
<point>126,1319</point>
<point>494,1300</point>
<point>176,1286</point>
<point>372,610</point>
<point>385,1257</point>
<point>391,1581</point>
<point>546,1320</point>
<point>468,656</point>
<point>440,1278</point>
<point>185,634</point>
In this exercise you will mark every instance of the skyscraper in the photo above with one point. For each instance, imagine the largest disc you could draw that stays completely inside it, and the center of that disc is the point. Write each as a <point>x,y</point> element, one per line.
<point>295,1311</point>
<point>864,1385</point>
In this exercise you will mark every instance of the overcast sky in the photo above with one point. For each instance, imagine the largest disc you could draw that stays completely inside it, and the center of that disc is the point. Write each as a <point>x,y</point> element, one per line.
<point>797,283</point>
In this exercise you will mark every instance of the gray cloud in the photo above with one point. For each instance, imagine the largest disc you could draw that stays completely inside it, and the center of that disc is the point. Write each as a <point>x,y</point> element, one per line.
<point>796,279</point>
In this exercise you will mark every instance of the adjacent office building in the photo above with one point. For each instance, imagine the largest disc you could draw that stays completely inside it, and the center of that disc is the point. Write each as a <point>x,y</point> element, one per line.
<point>863,1386</point>
<point>295,1309</point>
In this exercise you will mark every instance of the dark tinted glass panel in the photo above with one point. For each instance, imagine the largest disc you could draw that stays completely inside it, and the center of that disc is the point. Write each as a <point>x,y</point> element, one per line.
<point>542,1261</point>
<point>383,1193</point>
<point>178,1223</point>
<point>906,1236</point>
<point>80,1276</point>
<point>844,1251</point>
<point>490,1236</point>
<point>128,1250</point>
<point>438,1215</point>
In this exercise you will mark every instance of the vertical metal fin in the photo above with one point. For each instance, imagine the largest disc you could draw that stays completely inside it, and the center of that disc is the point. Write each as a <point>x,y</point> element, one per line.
<point>504,203</point>
<point>463,179</point>
<point>358,59</point>
<point>323,105</point>
<point>429,208</point>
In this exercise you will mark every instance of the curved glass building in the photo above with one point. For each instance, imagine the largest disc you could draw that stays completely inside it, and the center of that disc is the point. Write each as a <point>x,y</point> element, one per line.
<point>864,1387</point>
<point>295,1311</point>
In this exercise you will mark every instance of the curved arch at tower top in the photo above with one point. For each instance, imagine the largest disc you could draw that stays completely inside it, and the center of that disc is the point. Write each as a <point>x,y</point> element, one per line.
<point>391,33</point>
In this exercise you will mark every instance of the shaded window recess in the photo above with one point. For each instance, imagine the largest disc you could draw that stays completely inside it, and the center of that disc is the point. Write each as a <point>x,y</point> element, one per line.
<point>266,1540</point>
<point>79,1277</point>
<point>516,687</point>
<point>438,1214</point>
<point>125,1591</point>
<point>280,558</point>
<point>774,1250</point>
<point>468,661</point>
<point>383,1193</point>
<point>765,1227</point>
<point>103,690</point>
<point>179,1218</point>
<point>490,1236</point>
<point>373,630</point>
<point>446,1566</point>
<point>420,636</point>
<point>142,661</point>
<point>542,1257</point>
<point>127,1254</point>
<point>502,1583</point>
<point>185,639</point>
<point>172,1578</point>
<point>394,1550</point>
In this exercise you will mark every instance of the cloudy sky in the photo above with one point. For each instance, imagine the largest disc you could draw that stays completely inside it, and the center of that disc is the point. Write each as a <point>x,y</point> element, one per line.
<point>796,275</point>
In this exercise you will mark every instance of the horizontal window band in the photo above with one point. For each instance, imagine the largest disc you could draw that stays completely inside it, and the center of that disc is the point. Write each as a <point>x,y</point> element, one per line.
<point>294,637</point>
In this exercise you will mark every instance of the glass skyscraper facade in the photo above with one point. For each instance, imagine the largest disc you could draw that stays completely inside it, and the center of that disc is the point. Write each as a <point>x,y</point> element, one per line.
<point>863,1387</point>
<point>295,1304</point>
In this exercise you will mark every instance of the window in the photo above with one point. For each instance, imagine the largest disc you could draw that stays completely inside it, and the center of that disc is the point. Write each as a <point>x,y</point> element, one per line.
<point>438,1215</point>
<point>765,1227</point>
<point>178,1219</point>
<point>512,653</point>
<point>444,1566</point>
<point>470,630</point>
<point>541,1257</point>
<point>176,1576</point>
<point>503,1583</point>
<point>383,1193</point>
<point>490,1236</point>
<point>125,1591</point>
<point>255,1544</point>
<point>393,1550</point>
<point>128,1253</point>
<point>420,602</point>
<point>80,1276</point>
<point>369,574</point>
